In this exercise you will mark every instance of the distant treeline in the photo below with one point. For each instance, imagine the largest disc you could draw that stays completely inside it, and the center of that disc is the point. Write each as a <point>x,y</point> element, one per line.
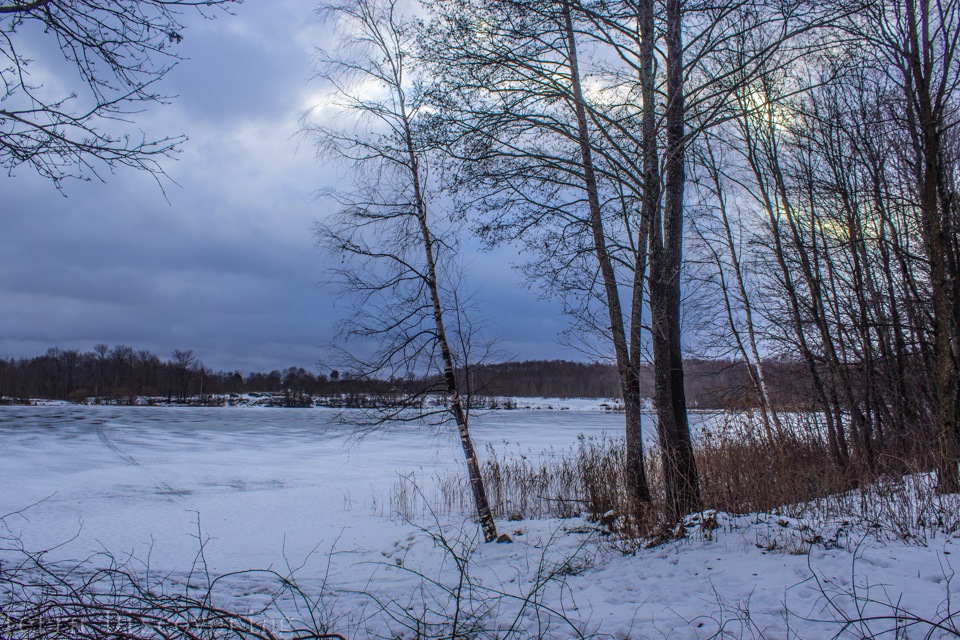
<point>120,374</point>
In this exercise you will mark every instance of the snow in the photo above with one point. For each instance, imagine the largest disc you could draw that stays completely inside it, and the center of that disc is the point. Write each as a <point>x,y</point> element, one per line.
<point>276,399</point>
<point>564,404</point>
<point>279,488</point>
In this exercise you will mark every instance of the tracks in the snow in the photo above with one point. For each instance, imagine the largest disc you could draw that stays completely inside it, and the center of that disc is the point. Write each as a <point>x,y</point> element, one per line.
<point>163,488</point>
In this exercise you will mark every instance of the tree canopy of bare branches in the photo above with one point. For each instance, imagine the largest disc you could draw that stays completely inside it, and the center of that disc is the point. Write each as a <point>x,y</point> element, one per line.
<point>108,57</point>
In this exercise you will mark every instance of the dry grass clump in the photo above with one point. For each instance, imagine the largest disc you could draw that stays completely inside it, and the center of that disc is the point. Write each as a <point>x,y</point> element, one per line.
<point>742,471</point>
<point>588,478</point>
<point>585,479</point>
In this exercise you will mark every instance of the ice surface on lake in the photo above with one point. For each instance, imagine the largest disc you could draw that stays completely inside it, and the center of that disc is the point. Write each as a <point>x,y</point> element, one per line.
<point>262,482</point>
<point>276,486</point>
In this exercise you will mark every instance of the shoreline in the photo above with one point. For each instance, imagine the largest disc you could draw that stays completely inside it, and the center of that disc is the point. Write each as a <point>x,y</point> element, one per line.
<point>280,401</point>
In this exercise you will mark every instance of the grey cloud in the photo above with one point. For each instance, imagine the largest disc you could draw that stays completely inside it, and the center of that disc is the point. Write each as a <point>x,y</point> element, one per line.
<point>228,266</point>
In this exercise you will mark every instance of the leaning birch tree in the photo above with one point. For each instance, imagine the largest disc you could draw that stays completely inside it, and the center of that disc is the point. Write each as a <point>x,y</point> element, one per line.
<point>394,253</point>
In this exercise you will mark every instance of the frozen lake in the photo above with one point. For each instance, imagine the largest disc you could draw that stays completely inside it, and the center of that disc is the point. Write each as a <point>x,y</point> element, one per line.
<point>263,482</point>
<point>279,488</point>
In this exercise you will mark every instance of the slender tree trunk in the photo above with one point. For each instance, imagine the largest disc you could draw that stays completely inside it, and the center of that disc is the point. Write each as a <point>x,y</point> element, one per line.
<point>929,141</point>
<point>948,448</point>
<point>764,160</point>
<point>485,516</point>
<point>636,473</point>
<point>666,259</point>
<point>748,348</point>
<point>627,366</point>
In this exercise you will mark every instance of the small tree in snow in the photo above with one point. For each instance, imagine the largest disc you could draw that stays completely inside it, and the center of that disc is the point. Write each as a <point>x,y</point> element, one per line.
<point>395,258</point>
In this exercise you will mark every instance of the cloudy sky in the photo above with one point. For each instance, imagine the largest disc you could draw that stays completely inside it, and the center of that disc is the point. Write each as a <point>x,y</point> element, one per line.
<point>226,264</point>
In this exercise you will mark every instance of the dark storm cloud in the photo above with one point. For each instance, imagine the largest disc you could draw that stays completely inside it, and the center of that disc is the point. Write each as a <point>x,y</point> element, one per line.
<point>225,264</point>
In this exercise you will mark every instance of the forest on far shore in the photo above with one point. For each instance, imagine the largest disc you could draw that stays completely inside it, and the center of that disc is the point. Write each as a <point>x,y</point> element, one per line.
<point>121,374</point>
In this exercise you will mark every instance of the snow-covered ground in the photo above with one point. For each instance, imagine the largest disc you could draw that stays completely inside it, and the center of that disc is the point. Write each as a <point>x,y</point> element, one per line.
<point>293,488</point>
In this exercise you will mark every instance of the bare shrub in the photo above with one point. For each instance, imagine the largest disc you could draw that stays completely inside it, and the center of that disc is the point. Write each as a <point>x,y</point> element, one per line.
<point>867,610</point>
<point>585,479</point>
<point>79,396</point>
<point>743,471</point>
<point>460,604</point>
<point>105,597</point>
<point>52,601</point>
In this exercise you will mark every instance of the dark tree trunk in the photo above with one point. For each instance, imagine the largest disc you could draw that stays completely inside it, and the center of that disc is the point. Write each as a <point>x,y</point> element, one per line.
<point>666,259</point>
<point>627,362</point>
<point>928,111</point>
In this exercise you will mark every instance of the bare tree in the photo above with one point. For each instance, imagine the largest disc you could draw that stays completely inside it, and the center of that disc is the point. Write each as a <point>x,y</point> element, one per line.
<point>101,351</point>
<point>721,229</point>
<point>666,264</point>
<point>834,161</point>
<point>396,259</point>
<point>118,51</point>
<point>184,363</point>
<point>517,118</point>
<point>574,121</point>
<point>920,40</point>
